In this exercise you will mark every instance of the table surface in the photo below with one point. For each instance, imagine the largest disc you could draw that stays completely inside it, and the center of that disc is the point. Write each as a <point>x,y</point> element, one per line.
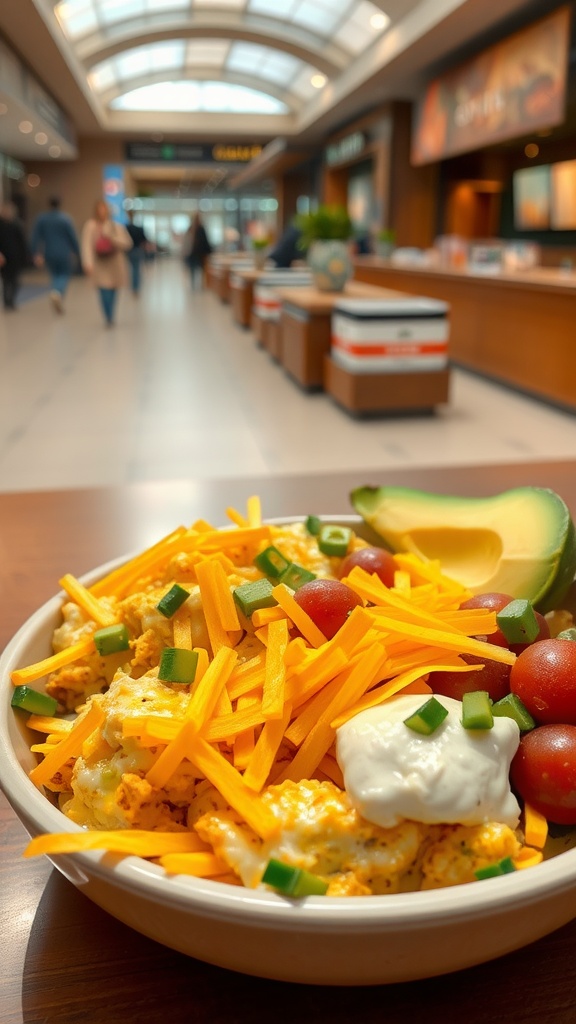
<point>314,302</point>
<point>63,959</point>
<point>557,279</point>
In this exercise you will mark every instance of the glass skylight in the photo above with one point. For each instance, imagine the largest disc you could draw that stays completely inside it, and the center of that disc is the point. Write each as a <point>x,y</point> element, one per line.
<point>334,31</point>
<point>188,97</point>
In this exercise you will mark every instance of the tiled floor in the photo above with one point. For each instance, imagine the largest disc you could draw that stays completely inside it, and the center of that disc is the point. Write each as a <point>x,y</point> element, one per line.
<point>176,391</point>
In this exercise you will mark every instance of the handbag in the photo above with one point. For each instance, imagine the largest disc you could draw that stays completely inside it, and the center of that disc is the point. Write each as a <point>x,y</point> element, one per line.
<point>104,246</point>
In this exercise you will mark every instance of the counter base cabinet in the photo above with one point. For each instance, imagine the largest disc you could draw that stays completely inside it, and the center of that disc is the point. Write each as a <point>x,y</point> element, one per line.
<point>306,341</point>
<point>272,338</point>
<point>364,393</point>
<point>241,301</point>
<point>518,332</point>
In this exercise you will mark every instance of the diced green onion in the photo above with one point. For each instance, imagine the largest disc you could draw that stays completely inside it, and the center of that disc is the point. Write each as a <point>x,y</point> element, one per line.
<point>295,576</point>
<point>567,634</point>
<point>177,665</point>
<point>291,881</point>
<point>518,622</point>
<point>271,562</point>
<point>250,596</point>
<point>334,540</point>
<point>111,639</point>
<point>477,710</point>
<point>427,718</point>
<point>34,701</point>
<point>502,867</point>
<point>313,524</point>
<point>172,600</point>
<point>511,706</point>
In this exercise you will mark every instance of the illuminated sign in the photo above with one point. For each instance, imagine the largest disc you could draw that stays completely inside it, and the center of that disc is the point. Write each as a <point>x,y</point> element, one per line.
<point>513,88</point>
<point>190,152</point>
<point>346,149</point>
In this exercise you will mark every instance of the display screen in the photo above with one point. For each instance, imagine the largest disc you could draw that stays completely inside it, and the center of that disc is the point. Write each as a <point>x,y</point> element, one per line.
<point>563,206</point>
<point>532,198</point>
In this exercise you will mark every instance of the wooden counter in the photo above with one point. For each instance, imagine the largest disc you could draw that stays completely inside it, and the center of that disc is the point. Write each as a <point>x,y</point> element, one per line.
<point>218,272</point>
<point>517,328</point>
<point>241,288</point>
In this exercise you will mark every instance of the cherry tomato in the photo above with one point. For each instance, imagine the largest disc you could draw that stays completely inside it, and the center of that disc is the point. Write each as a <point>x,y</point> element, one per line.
<point>495,602</point>
<point>494,678</point>
<point>543,771</point>
<point>544,678</point>
<point>328,603</point>
<point>543,634</point>
<point>373,560</point>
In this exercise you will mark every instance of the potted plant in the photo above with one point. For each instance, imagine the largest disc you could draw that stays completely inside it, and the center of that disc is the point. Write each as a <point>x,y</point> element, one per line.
<point>324,234</point>
<point>260,246</point>
<point>385,239</point>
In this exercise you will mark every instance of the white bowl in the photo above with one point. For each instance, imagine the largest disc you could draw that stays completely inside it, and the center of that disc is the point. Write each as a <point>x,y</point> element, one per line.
<point>335,941</point>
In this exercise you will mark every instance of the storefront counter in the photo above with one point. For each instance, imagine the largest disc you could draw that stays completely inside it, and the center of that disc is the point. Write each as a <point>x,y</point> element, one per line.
<point>518,328</point>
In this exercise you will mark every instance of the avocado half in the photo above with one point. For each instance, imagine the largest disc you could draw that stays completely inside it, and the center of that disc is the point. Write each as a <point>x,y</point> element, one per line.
<point>521,542</point>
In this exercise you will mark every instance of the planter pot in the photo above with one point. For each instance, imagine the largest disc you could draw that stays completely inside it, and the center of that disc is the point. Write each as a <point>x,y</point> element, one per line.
<point>384,249</point>
<point>330,264</point>
<point>260,257</point>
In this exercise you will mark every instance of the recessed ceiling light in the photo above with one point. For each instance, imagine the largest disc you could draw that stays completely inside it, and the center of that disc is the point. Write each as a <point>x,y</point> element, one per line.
<point>531,150</point>
<point>33,180</point>
<point>379,21</point>
<point>318,81</point>
<point>54,151</point>
<point>41,138</point>
<point>26,127</point>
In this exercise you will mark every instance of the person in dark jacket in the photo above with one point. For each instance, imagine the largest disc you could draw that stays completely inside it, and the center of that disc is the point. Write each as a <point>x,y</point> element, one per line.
<point>136,254</point>
<point>198,248</point>
<point>13,253</point>
<point>55,244</point>
<point>287,248</point>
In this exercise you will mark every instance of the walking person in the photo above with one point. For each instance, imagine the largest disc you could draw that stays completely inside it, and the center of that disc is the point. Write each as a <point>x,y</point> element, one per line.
<point>14,254</point>
<point>198,248</point>
<point>103,245</point>
<point>136,255</point>
<point>55,244</point>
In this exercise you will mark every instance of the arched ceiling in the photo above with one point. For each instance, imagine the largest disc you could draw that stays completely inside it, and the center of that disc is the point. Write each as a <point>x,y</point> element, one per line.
<point>268,56</point>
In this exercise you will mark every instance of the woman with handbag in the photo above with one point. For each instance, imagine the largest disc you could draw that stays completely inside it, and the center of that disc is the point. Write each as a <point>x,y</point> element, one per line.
<point>103,245</point>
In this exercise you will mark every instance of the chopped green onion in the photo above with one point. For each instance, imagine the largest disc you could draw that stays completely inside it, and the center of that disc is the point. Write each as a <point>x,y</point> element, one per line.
<point>427,718</point>
<point>295,576</point>
<point>518,622</point>
<point>291,881</point>
<point>511,706</point>
<point>334,540</point>
<point>34,701</point>
<point>111,639</point>
<point>177,665</point>
<point>502,867</point>
<point>250,596</point>
<point>567,634</point>
<point>271,562</point>
<point>477,710</point>
<point>172,600</point>
<point>313,524</point>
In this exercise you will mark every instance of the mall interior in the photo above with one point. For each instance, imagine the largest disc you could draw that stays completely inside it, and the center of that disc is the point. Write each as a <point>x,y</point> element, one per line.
<point>447,131</point>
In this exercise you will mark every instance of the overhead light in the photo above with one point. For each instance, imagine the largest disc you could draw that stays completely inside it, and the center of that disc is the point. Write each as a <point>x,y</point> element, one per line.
<point>531,150</point>
<point>318,81</point>
<point>54,151</point>
<point>379,21</point>
<point>41,138</point>
<point>33,180</point>
<point>26,127</point>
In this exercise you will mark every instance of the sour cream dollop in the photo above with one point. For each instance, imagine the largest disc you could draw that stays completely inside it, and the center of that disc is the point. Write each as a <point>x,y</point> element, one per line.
<point>453,776</point>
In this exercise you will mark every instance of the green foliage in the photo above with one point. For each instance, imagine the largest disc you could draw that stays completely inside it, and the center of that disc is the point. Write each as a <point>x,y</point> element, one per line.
<point>260,243</point>
<point>386,235</point>
<point>324,224</point>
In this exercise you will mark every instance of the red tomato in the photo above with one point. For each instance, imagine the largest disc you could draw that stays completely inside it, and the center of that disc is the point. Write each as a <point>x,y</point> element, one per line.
<point>372,560</point>
<point>543,771</point>
<point>495,602</point>
<point>328,603</point>
<point>494,678</point>
<point>544,678</point>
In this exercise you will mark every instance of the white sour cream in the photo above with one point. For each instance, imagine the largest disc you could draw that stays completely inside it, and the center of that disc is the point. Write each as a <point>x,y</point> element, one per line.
<point>454,776</point>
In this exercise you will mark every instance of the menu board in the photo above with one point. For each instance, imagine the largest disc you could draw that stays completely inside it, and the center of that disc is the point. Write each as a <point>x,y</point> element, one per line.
<point>509,90</point>
<point>563,196</point>
<point>532,198</point>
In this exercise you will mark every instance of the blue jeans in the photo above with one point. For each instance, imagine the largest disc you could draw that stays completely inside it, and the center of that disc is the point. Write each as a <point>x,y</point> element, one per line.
<point>135,257</point>
<point>108,303</point>
<point>60,273</point>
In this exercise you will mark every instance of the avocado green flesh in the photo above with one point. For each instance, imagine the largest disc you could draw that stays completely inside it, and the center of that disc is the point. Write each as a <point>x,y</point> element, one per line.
<point>521,542</point>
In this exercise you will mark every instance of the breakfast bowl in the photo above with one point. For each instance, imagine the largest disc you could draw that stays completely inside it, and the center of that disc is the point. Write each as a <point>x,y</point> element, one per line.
<point>321,940</point>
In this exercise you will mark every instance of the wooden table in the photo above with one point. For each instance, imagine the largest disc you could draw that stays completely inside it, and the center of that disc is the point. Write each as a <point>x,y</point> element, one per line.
<point>516,327</point>
<point>65,961</point>
<point>304,352</point>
